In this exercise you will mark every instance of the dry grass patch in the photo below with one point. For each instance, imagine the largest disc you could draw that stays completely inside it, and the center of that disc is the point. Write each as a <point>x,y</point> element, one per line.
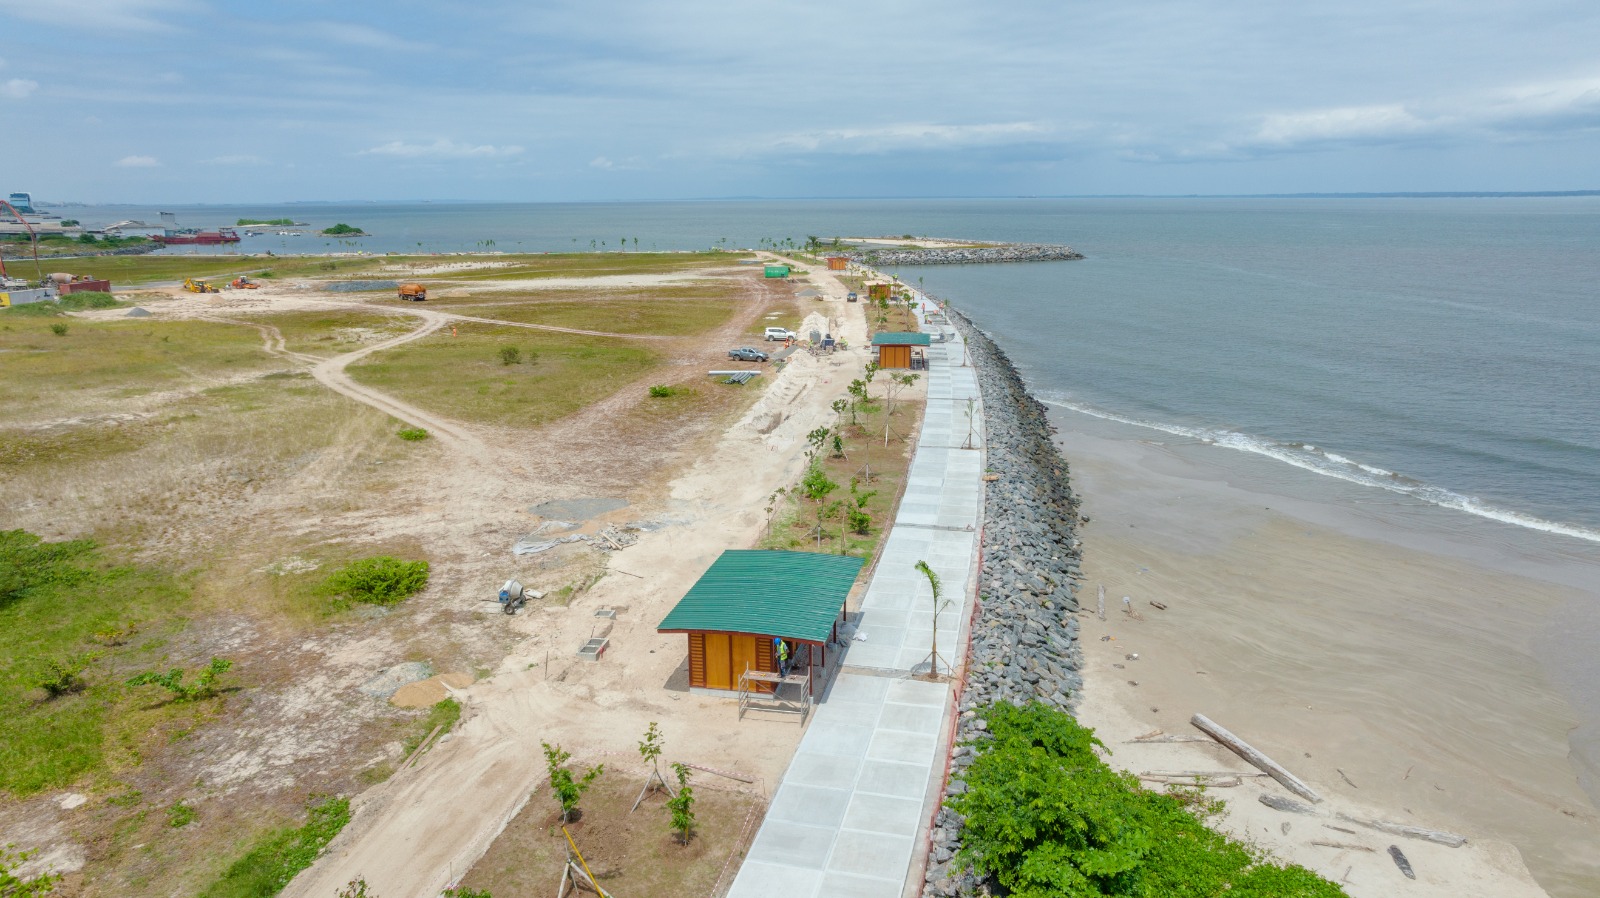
<point>332,333</point>
<point>467,376</point>
<point>128,270</point>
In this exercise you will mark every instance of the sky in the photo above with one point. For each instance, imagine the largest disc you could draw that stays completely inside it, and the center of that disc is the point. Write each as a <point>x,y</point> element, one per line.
<point>150,101</point>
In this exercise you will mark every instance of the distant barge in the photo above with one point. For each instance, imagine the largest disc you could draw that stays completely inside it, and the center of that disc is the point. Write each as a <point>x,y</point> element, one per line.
<point>207,238</point>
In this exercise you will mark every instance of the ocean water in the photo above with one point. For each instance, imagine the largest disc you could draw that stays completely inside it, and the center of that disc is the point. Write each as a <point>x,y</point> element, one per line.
<point>1447,349</point>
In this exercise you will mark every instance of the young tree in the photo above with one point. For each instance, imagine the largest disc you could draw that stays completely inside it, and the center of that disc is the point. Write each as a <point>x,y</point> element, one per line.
<point>897,382</point>
<point>858,395</point>
<point>650,749</point>
<point>682,806</point>
<point>566,788</point>
<point>816,486</point>
<point>817,439</point>
<point>356,888</point>
<point>933,582</point>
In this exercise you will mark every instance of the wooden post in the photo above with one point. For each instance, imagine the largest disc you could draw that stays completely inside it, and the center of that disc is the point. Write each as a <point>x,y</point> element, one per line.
<point>1244,750</point>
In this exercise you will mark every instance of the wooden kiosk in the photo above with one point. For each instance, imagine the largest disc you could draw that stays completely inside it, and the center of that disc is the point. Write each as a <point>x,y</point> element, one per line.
<point>749,598</point>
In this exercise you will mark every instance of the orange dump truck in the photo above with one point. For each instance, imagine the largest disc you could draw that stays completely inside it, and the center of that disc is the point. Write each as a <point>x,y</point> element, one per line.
<point>414,291</point>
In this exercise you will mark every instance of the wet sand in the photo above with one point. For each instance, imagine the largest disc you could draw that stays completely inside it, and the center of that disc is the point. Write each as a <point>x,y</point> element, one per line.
<point>1439,662</point>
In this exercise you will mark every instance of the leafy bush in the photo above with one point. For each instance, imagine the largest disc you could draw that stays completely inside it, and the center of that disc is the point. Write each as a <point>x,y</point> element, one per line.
<point>64,676</point>
<point>205,686</point>
<point>381,580</point>
<point>275,860</point>
<point>59,329</point>
<point>1046,817</point>
<point>510,355</point>
<point>413,434</point>
<point>661,391</point>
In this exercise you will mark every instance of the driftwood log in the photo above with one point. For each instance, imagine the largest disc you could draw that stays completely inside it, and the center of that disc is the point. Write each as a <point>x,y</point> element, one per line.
<point>1342,846</point>
<point>1401,861</point>
<point>1222,781</point>
<point>1244,750</point>
<point>1411,832</point>
<point>1288,805</point>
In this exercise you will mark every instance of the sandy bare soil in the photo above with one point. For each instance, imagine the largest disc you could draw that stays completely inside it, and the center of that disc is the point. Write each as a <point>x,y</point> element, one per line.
<point>419,832</point>
<point>1399,683</point>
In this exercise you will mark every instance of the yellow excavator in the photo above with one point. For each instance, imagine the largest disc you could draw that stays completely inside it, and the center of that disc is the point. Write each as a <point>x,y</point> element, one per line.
<point>194,286</point>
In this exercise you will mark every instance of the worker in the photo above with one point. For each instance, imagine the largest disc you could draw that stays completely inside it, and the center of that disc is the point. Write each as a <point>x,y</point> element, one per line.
<point>782,650</point>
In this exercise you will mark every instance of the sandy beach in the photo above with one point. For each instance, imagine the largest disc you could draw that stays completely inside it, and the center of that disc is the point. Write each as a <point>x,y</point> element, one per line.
<point>1397,658</point>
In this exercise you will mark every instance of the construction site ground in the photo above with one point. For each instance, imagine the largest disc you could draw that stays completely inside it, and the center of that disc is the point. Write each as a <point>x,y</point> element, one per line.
<point>245,443</point>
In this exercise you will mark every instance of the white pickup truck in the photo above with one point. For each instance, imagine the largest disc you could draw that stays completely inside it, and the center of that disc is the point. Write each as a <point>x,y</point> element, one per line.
<point>781,333</point>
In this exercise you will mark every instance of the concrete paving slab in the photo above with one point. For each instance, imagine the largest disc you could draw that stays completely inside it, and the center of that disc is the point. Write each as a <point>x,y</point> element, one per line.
<point>812,805</point>
<point>884,814</point>
<point>844,885</point>
<point>827,771</point>
<point>907,748</point>
<point>896,778</point>
<point>865,854</point>
<point>790,844</point>
<point>757,879</point>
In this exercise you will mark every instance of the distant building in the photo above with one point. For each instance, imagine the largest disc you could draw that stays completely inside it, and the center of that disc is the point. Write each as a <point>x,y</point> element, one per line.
<point>23,203</point>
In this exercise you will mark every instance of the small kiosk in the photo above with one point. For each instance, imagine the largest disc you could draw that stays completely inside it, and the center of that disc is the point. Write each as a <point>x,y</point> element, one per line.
<point>749,599</point>
<point>902,350</point>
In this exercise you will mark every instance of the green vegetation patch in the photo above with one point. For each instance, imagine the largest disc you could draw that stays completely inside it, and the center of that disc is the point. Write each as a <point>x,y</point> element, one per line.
<point>594,265</point>
<point>380,580</point>
<point>1046,817</point>
<point>445,715</point>
<point>462,376</point>
<point>343,230</point>
<point>72,302</point>
<point>281,854</point>
<point>69,619</point>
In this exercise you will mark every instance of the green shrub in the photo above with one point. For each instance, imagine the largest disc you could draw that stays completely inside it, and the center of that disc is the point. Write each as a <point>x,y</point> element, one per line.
<point>1046,817</point>
<point>413,434</point>
<point>281,854</point>
<point>63,676</point>
<point>381,580</point>
<point>59,329</point>
<point>204,686</point>
<point>662,392</point>
<point>14,886</point>
<point>510,355</point>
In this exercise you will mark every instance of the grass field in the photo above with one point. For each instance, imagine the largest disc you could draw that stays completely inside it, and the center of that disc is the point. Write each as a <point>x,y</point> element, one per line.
<point>556,374</point>
<point>662,316</point>
<point>103,362</point>
<point>125,271</point>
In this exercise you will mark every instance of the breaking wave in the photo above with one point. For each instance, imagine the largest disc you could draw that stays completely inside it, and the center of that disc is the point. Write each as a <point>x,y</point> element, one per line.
<point>1331,464</point>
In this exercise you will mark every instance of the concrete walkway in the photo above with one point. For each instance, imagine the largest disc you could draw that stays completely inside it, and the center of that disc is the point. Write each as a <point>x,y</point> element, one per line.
<point>852,811</point>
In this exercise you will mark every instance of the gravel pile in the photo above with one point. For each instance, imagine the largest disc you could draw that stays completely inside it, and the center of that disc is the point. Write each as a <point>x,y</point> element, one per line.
<point>1025,641</point>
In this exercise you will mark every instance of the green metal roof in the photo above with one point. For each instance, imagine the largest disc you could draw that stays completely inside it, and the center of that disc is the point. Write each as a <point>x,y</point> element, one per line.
<point>796,595</point>
<point>900,339</point>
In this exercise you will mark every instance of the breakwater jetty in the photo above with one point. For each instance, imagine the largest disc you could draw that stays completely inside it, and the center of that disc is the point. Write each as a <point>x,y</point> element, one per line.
<point>971,255</point>
<point>1024,644</point>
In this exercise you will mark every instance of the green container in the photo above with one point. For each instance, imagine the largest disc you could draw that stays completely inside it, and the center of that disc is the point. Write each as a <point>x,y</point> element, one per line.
<point>777,271</point>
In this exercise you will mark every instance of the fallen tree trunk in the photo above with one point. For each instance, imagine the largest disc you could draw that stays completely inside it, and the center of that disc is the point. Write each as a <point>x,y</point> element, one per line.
<point>1244,750</point>
<point>1413,832</point>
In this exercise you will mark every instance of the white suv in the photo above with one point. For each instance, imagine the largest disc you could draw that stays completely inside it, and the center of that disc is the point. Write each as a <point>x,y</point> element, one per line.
<point>781,333</point>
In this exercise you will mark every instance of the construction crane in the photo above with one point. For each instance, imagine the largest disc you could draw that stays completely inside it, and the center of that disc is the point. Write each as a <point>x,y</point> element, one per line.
<point>33,235</point>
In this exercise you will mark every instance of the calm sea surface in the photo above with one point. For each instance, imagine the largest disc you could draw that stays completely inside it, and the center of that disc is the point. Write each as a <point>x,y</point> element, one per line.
<point>1448,349</point>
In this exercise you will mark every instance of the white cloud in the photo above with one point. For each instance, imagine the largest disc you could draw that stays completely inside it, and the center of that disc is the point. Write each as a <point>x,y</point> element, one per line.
<point>899,137</point>
<point>137,162</point>
<point>601,162</point>
<point>101,15</point>
<point>18,88</point>
<point>1348,123</point>
<point>240,159</point>
<point>356,35</point>
<point>443,148</point>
